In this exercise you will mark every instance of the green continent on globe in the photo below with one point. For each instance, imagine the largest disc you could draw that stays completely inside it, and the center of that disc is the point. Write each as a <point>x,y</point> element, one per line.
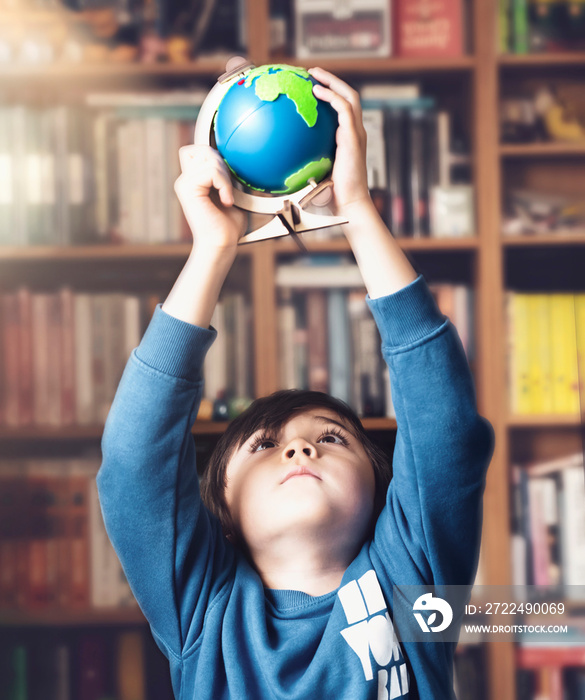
<point>317,169</point>
<point>290,81</point>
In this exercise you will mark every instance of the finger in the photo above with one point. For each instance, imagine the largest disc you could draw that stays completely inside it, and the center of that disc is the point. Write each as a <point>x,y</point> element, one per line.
<point>195,156</point>
<point>340,87</point>
<point>199,182</point>
<point>203,168</point>
<point>345,113</point>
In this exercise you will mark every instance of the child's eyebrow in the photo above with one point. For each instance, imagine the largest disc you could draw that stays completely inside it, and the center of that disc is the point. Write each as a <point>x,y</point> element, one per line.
<point>325,419</point>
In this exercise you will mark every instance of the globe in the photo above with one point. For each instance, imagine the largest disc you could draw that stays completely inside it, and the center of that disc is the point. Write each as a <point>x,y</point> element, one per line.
<point>273,133</point>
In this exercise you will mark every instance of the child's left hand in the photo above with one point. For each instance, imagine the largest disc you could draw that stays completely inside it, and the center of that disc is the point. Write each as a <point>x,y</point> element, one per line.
<point>349,175</point>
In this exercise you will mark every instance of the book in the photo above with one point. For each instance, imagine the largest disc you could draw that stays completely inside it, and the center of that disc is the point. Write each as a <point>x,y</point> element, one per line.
<point>429,29</point>
<point>564,377</point>
<point>130,665</point>
<point>286,321</point>
<point>358,29</point>
<point>547,515</point>
<point>573,526</point>
<point>339,345</point>
<point>318,369</point>
<point>520,25</point>
<point>299,275</point>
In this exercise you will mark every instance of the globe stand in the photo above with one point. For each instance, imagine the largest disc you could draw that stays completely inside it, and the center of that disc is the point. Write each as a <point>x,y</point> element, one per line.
<point>290,216</point>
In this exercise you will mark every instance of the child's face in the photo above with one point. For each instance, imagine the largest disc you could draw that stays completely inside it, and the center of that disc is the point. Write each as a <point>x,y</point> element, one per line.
<point>313,478</point>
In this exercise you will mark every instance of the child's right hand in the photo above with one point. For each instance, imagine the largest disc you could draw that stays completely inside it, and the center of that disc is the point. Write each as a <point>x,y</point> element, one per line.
<point>205,192</point>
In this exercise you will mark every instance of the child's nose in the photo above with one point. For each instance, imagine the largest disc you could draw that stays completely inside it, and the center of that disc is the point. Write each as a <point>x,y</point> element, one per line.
<point>299,445</point>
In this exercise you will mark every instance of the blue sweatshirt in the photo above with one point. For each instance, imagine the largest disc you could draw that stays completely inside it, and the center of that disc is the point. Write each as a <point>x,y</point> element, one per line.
<point>224,634</point>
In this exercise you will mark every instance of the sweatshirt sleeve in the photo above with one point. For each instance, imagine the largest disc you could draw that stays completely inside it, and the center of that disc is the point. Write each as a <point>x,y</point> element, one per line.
<point>443,446</point>
<point>172,550</point>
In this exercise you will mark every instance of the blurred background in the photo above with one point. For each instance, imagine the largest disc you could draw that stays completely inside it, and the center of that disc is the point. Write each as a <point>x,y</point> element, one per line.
<point>475,113</point>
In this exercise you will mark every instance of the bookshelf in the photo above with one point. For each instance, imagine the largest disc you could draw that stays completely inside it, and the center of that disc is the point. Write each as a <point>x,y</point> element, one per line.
<point>475,82</point>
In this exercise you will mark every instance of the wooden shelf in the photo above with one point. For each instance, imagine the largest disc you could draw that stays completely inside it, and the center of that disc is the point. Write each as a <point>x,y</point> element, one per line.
<point>89,432</point>
<point>72,618</point>
<point>128,251</point>
<point>560,238</point>
<point>385,66</point>
<point>570,58</point>
<point>340,245</point>
<point>544,421</point>
<point>540,150</point>
<point>204,67</point>
<point>382,423</point>
<point>180,251</point>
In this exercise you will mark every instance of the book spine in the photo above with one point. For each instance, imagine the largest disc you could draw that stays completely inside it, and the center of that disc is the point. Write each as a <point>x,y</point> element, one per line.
<point>417,199</point>
<point>339,345</point>
<point>131,671</point>
<point>564,354</point>
<point>55,360</point>
<point>84,384</point>
<point>520,24</point>
<point>317,332</point>
<point>11,353</point>
<point>504,26</point>
<point>67,356</point>
<point>156,180</point>
<point>573,526</point>
<point>394,129</point>
<point>25,369</point>
<point>78,536</point>
<point>40,320</point>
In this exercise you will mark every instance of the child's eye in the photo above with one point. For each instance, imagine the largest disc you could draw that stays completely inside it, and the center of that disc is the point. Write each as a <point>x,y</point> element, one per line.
<point>334,436</point>
<point>262,442</point>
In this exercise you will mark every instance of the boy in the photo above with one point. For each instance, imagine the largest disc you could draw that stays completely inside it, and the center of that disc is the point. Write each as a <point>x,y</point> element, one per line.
<point>291,599</point>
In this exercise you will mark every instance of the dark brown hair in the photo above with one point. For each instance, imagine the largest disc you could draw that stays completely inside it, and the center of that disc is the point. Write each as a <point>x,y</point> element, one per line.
<point>270,413</point>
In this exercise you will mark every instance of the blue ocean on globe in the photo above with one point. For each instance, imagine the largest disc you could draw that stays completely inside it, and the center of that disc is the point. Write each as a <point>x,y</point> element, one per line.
<point>273,133</point>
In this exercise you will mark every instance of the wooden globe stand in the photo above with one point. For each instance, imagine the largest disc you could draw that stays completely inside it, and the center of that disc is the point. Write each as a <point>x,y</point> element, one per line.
<point>290,216</point>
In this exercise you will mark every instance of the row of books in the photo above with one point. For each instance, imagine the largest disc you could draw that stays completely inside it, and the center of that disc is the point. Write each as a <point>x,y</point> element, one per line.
<point>63,353</point>
<point>527,26</point>
<point>546,352</point>
<point>409,28</point>
<point>328,338</point>
<point>104,171</point>
<point>547,524</point>
<point>73,174</point>
<point>54,550</point>
<point>417,173</point>
<point>85,665</point>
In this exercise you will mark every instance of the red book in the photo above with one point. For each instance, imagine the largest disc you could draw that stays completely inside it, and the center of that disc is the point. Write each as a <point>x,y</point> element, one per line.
<point>11,362</point>
<point>429,28</point>
<point>25,368</point>
<point>536,657</point>
<point>54,360</point>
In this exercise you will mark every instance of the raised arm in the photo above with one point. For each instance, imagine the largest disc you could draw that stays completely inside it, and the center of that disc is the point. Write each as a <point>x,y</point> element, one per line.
<point>442,446</point>
<point>173,552</point>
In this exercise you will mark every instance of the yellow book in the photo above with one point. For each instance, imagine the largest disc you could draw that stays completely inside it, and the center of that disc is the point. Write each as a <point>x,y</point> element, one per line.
<point>539,367</point>
<point>564,354</point>
<point>131,667</point>
<point>580,316</point>
<point>518,357</point>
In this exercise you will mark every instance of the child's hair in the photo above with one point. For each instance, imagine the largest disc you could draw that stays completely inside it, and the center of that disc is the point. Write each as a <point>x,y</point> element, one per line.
<point>270,413</point>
